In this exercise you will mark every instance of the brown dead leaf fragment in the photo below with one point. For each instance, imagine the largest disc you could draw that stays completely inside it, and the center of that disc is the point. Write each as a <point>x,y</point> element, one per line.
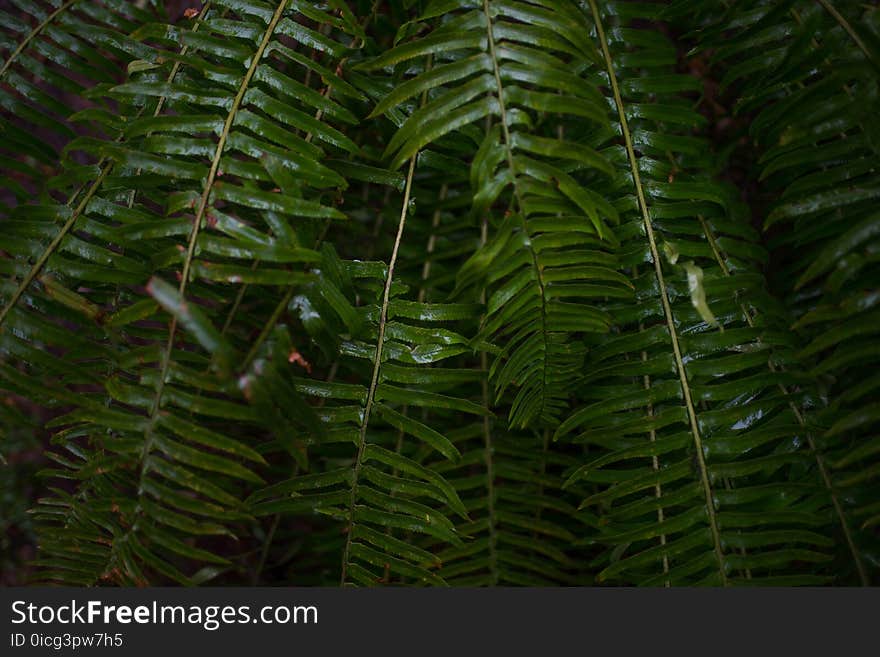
<point>191,12</point>
<point>296,357</point>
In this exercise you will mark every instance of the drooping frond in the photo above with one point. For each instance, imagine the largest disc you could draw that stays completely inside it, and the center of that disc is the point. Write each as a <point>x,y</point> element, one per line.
<point>687,396</point>
<point>173,413</point>
<point>814,93</point>
<point>500,69</point>
<point>387,346</point>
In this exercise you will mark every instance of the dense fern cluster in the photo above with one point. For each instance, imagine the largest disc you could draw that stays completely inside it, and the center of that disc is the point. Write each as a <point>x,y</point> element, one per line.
<point>455,292</point>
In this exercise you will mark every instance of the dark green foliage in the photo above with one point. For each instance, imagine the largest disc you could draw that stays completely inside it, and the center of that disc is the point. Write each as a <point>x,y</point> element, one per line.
<point>444,293</point>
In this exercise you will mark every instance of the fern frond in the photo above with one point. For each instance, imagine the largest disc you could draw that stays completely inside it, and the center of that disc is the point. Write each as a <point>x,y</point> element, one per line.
<point>703,440</point>
<point>541,283</point>
<point>207,93</point>
<point>818,166</point>
<point>383,489</point>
